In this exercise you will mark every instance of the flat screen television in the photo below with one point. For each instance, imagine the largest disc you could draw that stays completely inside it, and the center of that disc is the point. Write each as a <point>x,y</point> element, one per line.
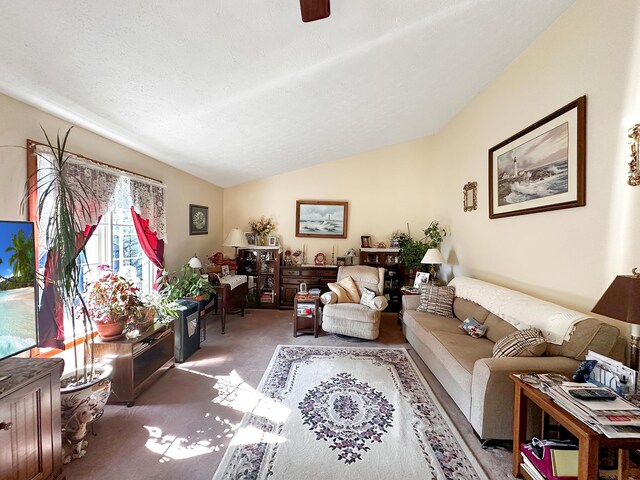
<point>18,288</point>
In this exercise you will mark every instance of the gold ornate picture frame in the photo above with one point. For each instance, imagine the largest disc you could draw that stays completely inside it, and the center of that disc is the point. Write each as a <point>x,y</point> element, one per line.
<point>470,196</point>
<point>634,168</point>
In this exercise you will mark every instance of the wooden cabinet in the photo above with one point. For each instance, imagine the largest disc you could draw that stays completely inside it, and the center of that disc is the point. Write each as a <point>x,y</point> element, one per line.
<point>315,276</point>
<point>136,362</point>
<point>389,258</point>
<point>261,265</point>
<point>30,431</point>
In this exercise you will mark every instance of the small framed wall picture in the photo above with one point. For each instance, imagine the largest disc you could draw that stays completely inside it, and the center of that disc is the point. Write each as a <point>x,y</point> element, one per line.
<point>421,277</point>
<point>198,220</point>
<point>365,241</point>
<point>273,240</point>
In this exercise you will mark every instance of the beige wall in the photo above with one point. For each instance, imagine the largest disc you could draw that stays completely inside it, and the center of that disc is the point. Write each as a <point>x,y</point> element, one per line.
<point>567,256</point>
<point>385,190</point>
<point>19,121</point>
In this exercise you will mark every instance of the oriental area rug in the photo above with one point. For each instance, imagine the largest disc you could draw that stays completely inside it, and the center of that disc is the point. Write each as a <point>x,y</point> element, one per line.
<point>338,413</point>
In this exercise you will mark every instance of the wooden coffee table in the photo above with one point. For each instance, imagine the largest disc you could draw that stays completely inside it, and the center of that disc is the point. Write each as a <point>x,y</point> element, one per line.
<point>589,441</point>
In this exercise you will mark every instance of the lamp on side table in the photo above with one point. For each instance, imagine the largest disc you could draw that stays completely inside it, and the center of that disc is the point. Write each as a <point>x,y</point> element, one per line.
<point>622,302</point>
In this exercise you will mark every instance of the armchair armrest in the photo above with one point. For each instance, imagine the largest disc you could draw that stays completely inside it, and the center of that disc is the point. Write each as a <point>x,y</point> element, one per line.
<point>328,298</point>
<point>379,303</point>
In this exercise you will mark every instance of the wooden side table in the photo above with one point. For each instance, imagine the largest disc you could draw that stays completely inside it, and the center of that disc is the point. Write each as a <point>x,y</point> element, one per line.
<point>306,306</point>
<point>589,441</point>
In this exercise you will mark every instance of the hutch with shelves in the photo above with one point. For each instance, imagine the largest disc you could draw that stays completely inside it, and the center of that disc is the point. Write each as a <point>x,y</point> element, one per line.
<point>389,259</point>
<point>261,265</point>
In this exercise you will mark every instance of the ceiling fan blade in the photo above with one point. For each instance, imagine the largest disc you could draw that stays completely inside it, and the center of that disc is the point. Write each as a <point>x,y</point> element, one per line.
<point>314,10</point>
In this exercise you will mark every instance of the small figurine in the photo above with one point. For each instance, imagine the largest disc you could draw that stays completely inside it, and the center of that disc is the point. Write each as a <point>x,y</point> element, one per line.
<point>75,431</point>
<point>381,245</point>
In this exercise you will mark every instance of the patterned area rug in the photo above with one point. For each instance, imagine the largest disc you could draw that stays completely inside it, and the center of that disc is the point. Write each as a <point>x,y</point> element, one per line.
<point>336,413</point>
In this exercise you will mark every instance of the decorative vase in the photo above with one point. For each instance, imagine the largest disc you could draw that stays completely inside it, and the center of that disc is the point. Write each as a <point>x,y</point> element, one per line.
<point>261,240</point>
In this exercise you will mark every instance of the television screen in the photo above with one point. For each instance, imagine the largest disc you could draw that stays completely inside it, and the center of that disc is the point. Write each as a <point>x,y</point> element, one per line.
<point>18,322</point>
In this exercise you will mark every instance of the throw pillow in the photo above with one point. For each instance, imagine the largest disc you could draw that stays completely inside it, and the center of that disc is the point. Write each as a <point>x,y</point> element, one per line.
<point>346,290</point>
<point>437,300</point>
<point>474,328</point>
<point>523,343</point>
<point>367,296</point>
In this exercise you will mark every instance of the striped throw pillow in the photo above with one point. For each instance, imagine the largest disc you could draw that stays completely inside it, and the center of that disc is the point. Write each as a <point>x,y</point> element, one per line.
<point>523,343</point>
<point>437,300</point>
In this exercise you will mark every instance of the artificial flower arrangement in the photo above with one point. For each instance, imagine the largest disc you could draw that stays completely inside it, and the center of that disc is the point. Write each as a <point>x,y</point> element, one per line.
<point>262,227</point>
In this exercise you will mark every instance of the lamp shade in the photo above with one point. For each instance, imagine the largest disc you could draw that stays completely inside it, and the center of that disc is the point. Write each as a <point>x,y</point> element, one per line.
<point>195,262</point>
<point>433,257</point>
<point>621,300</point>
<point>235,238</point>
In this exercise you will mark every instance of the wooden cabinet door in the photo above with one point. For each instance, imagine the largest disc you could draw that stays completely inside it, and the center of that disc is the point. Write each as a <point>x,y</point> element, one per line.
<point>27,445</point>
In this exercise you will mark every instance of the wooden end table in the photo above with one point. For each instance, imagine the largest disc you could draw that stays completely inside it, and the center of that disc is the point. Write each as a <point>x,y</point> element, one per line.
<point>589,441</point>
<point>306,306</point>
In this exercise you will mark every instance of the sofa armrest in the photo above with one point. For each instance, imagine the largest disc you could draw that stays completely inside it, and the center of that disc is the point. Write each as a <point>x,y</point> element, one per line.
<point>328,298</point>
<point>492,390</point>
<point>410,302</point>
<point>379,303</point>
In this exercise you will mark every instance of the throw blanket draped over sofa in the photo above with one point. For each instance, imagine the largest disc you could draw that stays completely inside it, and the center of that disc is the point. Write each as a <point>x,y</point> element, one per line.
<point>479,383</point>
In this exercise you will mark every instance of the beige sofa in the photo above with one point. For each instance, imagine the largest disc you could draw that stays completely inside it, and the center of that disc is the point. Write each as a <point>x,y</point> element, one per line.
<point>478,383</point>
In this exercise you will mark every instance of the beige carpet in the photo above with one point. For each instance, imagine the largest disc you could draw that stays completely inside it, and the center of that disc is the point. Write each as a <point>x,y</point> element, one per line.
<point>178,428</point>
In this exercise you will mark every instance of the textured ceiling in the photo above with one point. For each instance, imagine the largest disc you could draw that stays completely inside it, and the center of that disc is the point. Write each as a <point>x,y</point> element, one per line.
<point>236,90</point>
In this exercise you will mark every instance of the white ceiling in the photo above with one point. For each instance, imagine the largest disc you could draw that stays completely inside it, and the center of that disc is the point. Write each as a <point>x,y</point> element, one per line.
<point>234,90</point>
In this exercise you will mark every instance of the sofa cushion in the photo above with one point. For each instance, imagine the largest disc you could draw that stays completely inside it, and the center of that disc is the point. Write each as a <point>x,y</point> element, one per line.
<point>589,334</point>
<point>524,343</point>
<point>346,290</point>
<point>497,328</point>
<point>466,308</point>
<point>473,328</point>
<point>465,350</point>
<point>428,322</point>
<point>435,299</point>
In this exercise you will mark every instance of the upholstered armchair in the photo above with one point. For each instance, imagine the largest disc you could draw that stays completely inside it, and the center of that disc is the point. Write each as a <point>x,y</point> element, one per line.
<point>355,301</point>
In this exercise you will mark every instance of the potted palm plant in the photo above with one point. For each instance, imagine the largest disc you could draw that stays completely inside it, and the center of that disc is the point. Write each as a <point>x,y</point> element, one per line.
<point>63,205</point>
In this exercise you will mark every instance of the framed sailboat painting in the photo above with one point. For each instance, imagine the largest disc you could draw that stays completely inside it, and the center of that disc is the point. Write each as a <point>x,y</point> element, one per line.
<point>321,219</point>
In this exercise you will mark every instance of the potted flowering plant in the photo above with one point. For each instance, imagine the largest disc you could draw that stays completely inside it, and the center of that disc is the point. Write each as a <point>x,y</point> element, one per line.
<point>113,302</point>
<point>262,228</point>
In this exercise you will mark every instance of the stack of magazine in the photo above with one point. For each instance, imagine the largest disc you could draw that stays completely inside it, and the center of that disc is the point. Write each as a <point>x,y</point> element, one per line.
<point>616,418</point>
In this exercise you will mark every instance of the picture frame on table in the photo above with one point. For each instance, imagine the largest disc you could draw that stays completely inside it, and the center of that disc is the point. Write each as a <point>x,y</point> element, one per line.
<point>365,241</point>
<point>421,277</point>
<point>250,237</point>
<point>224,270</point>
<point>273,240</point>
<point>542,167</point>
<point>321,218</point>
<point>198,220</point>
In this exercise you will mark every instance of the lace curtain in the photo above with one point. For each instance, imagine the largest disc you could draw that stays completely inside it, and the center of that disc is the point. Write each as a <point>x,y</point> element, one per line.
<point>108,188</point>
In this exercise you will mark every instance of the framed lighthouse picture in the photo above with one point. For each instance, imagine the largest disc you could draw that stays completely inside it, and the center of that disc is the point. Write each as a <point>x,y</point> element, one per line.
<point>542,167</point>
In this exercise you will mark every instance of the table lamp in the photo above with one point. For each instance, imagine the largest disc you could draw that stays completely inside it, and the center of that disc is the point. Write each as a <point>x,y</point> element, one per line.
<point>195,262</point>
<point>433,257</point>
<point>235,239</point>
<point>622,302</point>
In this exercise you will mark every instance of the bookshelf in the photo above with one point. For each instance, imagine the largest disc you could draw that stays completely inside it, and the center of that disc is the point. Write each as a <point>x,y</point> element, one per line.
<point>261,265</point>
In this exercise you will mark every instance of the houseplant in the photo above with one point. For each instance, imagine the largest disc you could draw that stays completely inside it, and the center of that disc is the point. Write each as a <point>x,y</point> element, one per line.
<point>412,251</point>
<point>188,283</point>
<point>62,211</point>
<point>113,303</point>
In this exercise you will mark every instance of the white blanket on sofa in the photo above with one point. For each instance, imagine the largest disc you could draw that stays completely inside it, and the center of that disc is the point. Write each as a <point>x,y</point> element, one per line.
<point>520,310</point>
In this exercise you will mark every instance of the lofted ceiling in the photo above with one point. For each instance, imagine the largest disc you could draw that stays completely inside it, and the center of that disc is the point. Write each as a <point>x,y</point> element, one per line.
<point>235,90</point>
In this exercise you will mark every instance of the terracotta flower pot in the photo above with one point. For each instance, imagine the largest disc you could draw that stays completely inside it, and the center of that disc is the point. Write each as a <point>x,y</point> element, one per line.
<point>108,327</point>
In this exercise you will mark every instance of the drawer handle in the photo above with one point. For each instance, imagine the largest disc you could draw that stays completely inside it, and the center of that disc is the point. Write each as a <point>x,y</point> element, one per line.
<point>6,426</point>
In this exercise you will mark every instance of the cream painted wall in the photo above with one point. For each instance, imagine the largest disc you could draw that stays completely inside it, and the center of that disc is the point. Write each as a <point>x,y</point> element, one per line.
<point>385,189</point>
<point>568,256</point>
<point>18,122</point>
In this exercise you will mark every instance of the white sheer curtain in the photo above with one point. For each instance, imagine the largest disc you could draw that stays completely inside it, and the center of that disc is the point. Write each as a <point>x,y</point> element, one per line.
<point>109,188</point>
